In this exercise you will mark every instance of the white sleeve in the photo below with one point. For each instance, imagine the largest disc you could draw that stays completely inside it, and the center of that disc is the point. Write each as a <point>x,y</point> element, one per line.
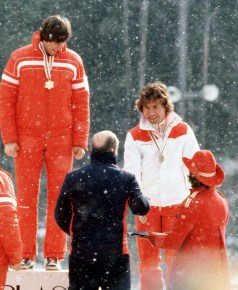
<point>191,145</point>
<point>132,157</point>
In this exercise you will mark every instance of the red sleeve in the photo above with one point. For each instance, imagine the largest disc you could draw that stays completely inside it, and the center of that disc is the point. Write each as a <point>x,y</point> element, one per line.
<point>8,98</point>
<point>9,227</point>
<point>80,107</point>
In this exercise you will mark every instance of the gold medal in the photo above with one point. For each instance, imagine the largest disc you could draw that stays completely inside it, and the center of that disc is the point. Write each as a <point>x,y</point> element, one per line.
<point>49,84</point>
<point>161,158</point>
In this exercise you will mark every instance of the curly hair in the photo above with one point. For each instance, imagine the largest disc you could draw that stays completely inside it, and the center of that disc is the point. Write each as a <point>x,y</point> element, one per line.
<point>55,28</point>
<point>152,92</point>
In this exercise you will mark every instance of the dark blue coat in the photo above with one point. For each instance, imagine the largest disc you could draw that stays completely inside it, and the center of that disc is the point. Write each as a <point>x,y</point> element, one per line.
<point>92,206</point>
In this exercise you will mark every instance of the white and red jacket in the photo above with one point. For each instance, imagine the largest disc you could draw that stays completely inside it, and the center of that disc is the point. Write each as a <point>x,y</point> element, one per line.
<point>10,240</point>
<point>58,111</point>
<point>164,183</point>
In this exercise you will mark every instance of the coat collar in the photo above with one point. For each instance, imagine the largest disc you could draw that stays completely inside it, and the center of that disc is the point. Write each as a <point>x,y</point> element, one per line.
<point>105,157</point>
<point>36,41</point>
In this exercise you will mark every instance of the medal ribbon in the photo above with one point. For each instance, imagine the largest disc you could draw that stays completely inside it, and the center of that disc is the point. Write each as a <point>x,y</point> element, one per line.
<point>47,63</point>
<point>156,143</point>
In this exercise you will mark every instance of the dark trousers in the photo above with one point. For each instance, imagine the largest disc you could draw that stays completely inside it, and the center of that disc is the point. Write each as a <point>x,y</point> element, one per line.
<point>89,272</point>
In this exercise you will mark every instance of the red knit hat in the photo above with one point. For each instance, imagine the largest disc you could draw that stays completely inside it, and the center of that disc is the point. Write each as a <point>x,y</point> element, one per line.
<point>204,167</point>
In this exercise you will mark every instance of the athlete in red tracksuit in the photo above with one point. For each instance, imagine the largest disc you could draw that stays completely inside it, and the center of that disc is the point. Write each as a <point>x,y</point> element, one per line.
<point>10,240</point>
<point>44,111</point>
<point>153,152</point>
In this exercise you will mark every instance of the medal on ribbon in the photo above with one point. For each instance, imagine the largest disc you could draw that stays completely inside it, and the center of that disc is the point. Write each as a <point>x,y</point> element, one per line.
<point>161,158</point>
<point>161,155</point>
<point>48,63</point>
<point>49,84</point>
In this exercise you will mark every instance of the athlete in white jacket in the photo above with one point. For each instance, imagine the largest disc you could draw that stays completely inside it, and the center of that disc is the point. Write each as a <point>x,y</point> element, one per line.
<point>153,152</point>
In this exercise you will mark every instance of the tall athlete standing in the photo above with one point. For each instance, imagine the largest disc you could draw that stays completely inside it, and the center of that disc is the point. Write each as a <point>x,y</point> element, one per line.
<point>44,113</point>
<point>153,152</point>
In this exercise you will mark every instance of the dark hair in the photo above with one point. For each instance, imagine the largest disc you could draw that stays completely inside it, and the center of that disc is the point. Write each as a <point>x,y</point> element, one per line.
<point>55,28</point>
<point>111,142</point>
<point>152,92</point>
<point>195,182</point>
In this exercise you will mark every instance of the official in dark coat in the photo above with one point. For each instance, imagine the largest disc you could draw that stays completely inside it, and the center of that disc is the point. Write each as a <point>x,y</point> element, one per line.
<point>92,209</point>
<point>198,236</point>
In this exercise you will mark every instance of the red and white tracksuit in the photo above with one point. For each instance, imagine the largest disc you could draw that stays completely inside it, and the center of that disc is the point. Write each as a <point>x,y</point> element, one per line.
<point>10,240</point>
<point>46,124</point>
<point>164,183</point>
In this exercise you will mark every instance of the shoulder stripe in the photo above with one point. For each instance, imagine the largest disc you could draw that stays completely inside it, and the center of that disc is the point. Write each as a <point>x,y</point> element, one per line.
<point>8,199</point>
<point>9,79</point>
<point>190,198</point>
<point>140,135</point>
<point>32,63</point>
<point>81,84</point>
<point>178,130</point>
<point>67,65</point>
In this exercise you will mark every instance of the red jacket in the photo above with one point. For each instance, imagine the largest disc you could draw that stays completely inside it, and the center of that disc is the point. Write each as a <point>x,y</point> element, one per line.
<point>198,237</point>
<point>10,240</point>
<point>26,106</point>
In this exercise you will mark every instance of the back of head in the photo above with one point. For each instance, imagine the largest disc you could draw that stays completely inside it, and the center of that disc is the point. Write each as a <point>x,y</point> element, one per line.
<point>104,141</point>
<point>55,28</point>
<point>152,92</point>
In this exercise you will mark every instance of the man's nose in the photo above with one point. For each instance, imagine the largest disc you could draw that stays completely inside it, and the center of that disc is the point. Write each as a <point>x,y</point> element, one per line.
<point>151,112</point>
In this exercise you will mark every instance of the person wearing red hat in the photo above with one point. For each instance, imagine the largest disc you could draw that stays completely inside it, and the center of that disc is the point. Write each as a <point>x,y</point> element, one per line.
<point>198,236</point>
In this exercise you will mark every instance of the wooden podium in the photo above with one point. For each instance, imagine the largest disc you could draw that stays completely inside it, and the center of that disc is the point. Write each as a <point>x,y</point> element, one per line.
<point>37,280</point>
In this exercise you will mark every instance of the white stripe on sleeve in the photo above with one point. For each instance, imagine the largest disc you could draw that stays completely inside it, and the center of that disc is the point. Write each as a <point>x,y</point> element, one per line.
<point>8,199</point>
<point>10,80</point>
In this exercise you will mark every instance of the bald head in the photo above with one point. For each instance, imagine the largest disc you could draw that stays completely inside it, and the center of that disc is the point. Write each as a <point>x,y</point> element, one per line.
<point>104,141</point>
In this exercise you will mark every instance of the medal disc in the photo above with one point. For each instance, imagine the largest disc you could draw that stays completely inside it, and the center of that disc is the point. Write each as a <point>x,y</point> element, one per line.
<point>49,85</point>
<point>161,158</point>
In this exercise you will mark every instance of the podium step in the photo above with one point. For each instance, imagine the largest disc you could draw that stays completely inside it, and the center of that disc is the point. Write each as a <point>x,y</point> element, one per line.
<point>37,280</point>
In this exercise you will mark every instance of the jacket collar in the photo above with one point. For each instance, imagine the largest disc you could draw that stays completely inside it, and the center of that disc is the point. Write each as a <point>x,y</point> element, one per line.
<point>105,157</point>
<point>172,120</point>
<point>200,188</point>
<point>36,41</point>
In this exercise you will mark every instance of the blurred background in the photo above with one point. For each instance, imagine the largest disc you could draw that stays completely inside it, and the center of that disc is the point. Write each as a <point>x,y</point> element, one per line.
<point>191,46</point>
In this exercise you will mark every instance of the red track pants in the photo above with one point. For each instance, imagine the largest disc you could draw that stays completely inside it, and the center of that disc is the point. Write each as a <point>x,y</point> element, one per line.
<point>159,219</point>
<point>3,275</point>
<point>55,153</point>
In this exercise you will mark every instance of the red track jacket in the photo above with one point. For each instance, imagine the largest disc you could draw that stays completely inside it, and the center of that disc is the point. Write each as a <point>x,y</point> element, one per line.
<point>10,240</point>
<point>56,111</point>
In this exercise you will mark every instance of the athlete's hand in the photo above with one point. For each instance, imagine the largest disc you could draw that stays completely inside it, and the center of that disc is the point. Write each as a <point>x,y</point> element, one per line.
<point>11,149</point>
<point>79,152</point>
